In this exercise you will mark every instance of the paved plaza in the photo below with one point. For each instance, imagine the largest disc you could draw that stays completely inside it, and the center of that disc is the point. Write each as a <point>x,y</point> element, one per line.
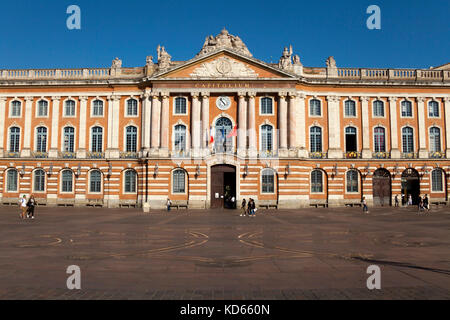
<point>194,254</point>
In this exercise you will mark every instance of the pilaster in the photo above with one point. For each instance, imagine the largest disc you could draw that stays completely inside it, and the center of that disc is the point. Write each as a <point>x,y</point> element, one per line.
<point>395,151</point>
<point>2,125</point>
<point>366,153</point>
<point>242,125</point>
<point>81,152</point>
<point>423,152</point>
<point>53,152</point>
<point>334,128</point>
<point>26,150</point>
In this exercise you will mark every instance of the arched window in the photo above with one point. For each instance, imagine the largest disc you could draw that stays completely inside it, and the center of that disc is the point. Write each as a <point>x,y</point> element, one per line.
<point>41,139</point>
<point>352,181</point>
<point>266,138</point>
<point>433,109</point>
<point>95,178</point>
<point>180,138</point>
<point>11,180</point>
<point>69,108</point>
<point>437,180</point>
<point>266,105</point>
<point>380,139</point>
<point>130,181</point>
<point>16,107</point>
<point>406,109</point>
<point>435,139</point>
<point>131,137</point>
<point>14,139</point>
<point>350,108</point>
<point>268,181</point>
<point>316,181</point>
<point>408,140</point>
<point>132,107</point>
<point>67,181</point>
<point>180,105</point>
<point>223,143</point>
<point>42,108</point>
<point>39,180</point>
<point>178,181</point>
<point>378,108</point>
<point>350,139</point>
<point>97,139</point>
<point>314,107</point>
<point>315,138</point>
<point>69,139</point>
<point>97,108</point>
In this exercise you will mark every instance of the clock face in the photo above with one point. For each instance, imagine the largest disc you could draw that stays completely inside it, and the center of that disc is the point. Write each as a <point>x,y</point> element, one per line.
<point>223,103</point>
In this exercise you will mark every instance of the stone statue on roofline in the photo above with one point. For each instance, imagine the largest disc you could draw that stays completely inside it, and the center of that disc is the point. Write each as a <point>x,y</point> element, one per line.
<point>116,63</point>
<point>285,60</point>
<point>331,63</point>
<point>224,40</point>
<point>164,59</point>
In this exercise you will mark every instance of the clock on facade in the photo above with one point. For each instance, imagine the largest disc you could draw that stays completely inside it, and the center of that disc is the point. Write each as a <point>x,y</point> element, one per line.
<point>223,103</point>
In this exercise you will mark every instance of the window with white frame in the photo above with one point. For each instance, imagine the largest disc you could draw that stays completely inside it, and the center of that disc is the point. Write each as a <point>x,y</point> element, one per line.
<point>41,139</point>
<point>42,108</point>
<point>16,107</point>
<point>433,109</point>
<point>97,108</point>
<point>379,139</point>
<point>406,108</point>
<point>95,181</point>
<point>97,139</point>
<point>67,181</point>
<point>178,181</point>
<point>130,181</point>
<point>69,108</point>
<point>378,108</point>
<point>14,139</point>
<point>69,139</point>
<point>435,139</point>
<point>11,180</point>
<point>266,138</point>
<point>352,181</point>
<point>315,139</point>
<point>315,107</point>
<point>180,138</point>
<point>408,139</point>
<point>350,108</point>
<point>39,180</point>
<point>268,181</point>
<point>180,105</point>
<point>317,181</point>
<point>266,105</point>
<point>437,180</point>
<point>131,139</point>
<point>132,107</point>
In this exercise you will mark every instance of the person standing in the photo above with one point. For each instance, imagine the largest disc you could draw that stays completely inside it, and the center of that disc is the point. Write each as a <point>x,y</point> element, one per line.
<point>426,203</point>
<point>243,207</point>
<point>420,205</point>
<point>410,200</point>
<point>31,204</point>
<point>396,200</point>
<point>168,204</point>
<point>364,203</point>
<point>23,206</point>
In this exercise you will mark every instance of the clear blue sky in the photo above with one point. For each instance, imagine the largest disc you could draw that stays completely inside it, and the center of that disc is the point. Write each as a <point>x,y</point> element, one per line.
<point>414,34</point>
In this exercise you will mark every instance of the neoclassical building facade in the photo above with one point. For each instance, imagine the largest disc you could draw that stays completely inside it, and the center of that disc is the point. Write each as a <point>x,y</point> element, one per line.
<point>224,126</point>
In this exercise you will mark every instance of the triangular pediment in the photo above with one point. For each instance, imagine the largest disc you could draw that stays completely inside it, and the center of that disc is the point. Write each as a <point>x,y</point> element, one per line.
<point>224,64</point>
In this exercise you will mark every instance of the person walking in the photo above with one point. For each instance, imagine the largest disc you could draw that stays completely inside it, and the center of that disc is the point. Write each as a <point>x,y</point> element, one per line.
<point>23,206</point>
<point>168,204</point>
<point>420,205</point>
<point>426,203</point>
<point>396,200</point>
<point>31,204</point>
<point>364,203</point>
<point>253,208</point>
<point>410,200</point>
<point>243,207</point>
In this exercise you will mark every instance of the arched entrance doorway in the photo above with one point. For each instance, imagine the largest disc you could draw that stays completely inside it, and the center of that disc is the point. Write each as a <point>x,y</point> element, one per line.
<point>411,185</point>
<point>223,143</point>
<point>381,188</point>
<point>223,186</point>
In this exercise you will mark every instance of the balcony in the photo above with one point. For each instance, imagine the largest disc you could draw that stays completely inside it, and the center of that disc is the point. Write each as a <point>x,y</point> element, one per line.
<point>180,154</point>
<point>67,155</point>
<point>128,155</point>
<point>437,155</point>
<point>381,155</point>
<point>353,155</point>
<point>410,155</point>
<point>318,155</point>
<point>39,155</point>
<point>268,154</point>
<point>12,155</point>
<point>226,147</point>
<point>95,155</point>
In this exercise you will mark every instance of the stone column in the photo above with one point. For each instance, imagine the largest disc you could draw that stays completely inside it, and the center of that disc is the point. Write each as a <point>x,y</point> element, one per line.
<point>26,150</point>
<point>334,128</point>
<point>447,125</point>
<point>423,152</point>
<point>156,111</point>
<point>53,152</point>
<point>293,107</point>
<point>395,151</point>
<point>366,153</point>
<point>164,151</point>
<point>81,152</point>
<point>301,126</point>
<point>2,125</point>
<point>145,123</point>
<point>242,125</point>
<point>195,124</point>
<point>205,121</point>
<point>113,127</point>
<point>252,144</point>
<point>282,123</point>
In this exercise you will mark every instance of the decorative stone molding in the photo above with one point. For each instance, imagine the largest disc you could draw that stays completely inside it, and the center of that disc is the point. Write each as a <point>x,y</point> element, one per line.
<point>224,67</point>
<point>420,99</point>
<point>205,94</point>
<point>83,98</point>
<point>392,99</point>
<point>333,98</point>
<point>55,98</point>
<point>364,99</point>
<point>224,40</point>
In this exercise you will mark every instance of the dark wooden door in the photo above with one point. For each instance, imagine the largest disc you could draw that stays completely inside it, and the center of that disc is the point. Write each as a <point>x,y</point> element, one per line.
<point>218,184</point>
<point>381,188</point>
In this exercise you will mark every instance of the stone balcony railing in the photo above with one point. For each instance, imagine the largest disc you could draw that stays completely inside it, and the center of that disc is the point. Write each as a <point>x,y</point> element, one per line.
<point>318,155</point>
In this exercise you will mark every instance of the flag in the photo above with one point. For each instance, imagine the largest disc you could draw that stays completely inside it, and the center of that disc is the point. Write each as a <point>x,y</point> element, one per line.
<point>211,135</point>
<point>233,133</point>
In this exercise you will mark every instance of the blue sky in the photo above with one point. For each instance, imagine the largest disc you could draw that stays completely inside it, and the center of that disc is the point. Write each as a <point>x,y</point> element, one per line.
<point>414,34</point>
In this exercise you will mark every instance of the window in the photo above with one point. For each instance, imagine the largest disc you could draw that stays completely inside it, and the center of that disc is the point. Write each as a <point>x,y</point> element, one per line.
<point>180,105</point>
<point>39,181</point>
<point>406,109</point>
<point>41,139</point>
<point>433,109</point>
<point>268,181</point>
<point>436,180</point>
<point>222,142</point>
<point>316,181</point>
<point>378,108</point>
<point>69,139</point>
<point>131,137</point>
<point>42,108</point>
<point>132,107</point>
<point>352,181</point>
<point>315,138</point>
<point>130,181</point>
<point>179,181</point>
<point>408,140</point>
<point>16,107</point>
<point>97,108</point>
<point>350,139</point>
<point>67,181</point>
<point>14,139</point>
<point>435,139</point>
<point>266,138</point>
<point>69,108</point>
<point>180,138</point>
<point>12,180</point>
<point>380,139</point>
<point>97,139</point>
<point>314,107</point>
<point>95,184</point>
<point>266,105</point>
<point>350,108</point>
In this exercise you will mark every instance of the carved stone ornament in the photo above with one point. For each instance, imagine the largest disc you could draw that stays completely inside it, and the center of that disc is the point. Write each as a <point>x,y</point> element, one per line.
<point>224,67</point>
<point>116,63</point>
<point>331,63</point>
<point>164,59</point>
<point>224,40</point>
